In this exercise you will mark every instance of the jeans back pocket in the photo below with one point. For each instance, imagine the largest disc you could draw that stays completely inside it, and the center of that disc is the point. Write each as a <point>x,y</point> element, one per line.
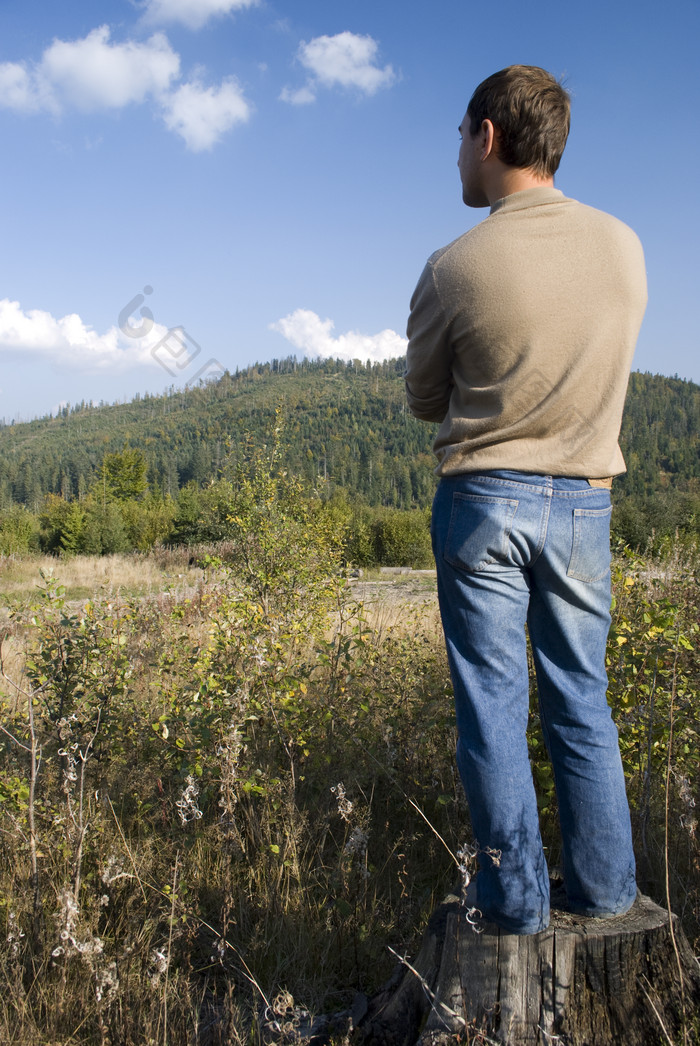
<point>590,551</point>
<point>479,531</point>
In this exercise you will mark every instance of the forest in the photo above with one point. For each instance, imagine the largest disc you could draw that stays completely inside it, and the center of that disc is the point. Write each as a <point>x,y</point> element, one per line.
<point>154,471</point>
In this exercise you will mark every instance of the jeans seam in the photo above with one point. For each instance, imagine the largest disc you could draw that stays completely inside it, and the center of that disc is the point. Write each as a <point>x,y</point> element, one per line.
<point>533,487</point>
<point>544,525</point>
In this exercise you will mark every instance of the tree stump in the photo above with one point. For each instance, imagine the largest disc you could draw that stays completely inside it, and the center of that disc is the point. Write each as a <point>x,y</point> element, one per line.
<point>630,980</point>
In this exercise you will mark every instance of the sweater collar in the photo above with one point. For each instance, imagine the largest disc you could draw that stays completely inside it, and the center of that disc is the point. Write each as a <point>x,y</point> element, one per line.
<point>536,197</point>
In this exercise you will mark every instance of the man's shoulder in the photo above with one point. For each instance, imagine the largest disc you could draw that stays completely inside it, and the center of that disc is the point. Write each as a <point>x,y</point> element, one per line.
<point>553,207</point>
<point>505,223</point>
<point>603,218</point>
<point>456,247</point>
<point>605,235</point>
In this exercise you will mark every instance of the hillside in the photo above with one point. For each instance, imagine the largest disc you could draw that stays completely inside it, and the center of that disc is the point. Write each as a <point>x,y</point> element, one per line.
<point>346,427</point>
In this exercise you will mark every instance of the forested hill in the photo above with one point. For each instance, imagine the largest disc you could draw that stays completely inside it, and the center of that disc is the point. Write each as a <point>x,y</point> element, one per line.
<point>345,426</point>
<point>342,425</point>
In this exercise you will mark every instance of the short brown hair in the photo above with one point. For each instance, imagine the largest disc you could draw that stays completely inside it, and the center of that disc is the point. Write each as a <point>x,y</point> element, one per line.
<point>530,111</point>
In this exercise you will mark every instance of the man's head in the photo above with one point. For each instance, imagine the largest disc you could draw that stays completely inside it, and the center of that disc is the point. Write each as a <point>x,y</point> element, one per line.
<point>530,113</point>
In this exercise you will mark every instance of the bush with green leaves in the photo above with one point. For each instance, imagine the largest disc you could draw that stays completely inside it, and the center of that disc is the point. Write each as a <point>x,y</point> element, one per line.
<point>654,686</point>
<point>19,531</point>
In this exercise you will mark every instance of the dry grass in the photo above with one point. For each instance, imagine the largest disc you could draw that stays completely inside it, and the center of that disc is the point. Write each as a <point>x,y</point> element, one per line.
<point>13,666</point>
<point>157,575</point>
<point>87,576</point>
<point>393,602</point>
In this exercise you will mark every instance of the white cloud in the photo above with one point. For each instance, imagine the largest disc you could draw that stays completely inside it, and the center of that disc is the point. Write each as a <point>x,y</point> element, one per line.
<point>90,74</point>
<point>70,342</point>
<point>192,13</point>
<point>304,96</point>
<point>22,89</point>
<point>308,332</point>
<point>200,115</point>
<point>94,74</point>
<point>343,60</point>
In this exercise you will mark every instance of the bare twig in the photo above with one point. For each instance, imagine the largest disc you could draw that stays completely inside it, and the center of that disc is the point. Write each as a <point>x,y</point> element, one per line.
<point>247,973</point>
<point>434,1001</point>
<point>170,942</point>
<point>668,1038</point>
<point>432,827</point>
<point>83,825</point>
<point>646,804</point>
<point>666,839</point>
<point>12,737</point>
<point>126,847</point>
<point>408,798</point>
<point>34,764</point>
<point>428,990</point>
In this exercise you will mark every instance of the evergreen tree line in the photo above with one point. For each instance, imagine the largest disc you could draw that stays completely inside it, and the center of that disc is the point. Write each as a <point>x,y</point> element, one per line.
<point>120,514</point>
<point>155,470</point>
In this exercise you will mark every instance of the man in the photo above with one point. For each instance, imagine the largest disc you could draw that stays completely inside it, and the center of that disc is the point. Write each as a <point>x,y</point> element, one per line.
<point>521,336</point>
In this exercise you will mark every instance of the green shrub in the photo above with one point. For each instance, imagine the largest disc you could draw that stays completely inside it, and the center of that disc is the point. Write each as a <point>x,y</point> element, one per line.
<point>402,539</point>
<point>19,531</point>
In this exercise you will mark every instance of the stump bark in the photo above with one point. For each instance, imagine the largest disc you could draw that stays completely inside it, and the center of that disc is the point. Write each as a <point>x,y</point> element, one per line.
<point>631,980</point>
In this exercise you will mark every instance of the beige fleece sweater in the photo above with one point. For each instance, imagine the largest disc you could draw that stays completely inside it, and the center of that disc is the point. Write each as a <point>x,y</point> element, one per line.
<point>521,337</point>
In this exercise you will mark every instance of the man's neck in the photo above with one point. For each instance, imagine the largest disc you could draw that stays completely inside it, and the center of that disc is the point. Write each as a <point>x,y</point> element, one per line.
<point>504,181</point>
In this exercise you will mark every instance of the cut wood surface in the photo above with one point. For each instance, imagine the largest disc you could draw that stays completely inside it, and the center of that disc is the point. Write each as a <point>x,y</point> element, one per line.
<point>627,981</point>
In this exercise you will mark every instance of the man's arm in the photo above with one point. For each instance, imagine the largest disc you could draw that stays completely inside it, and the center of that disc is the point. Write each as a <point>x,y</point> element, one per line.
<point>428,357</point>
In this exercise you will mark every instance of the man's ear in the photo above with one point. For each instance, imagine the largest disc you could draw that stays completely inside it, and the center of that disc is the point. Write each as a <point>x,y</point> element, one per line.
<point>487,133</point>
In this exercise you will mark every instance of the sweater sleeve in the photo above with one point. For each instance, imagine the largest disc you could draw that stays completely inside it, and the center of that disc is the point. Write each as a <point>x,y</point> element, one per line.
<point>428,373</point>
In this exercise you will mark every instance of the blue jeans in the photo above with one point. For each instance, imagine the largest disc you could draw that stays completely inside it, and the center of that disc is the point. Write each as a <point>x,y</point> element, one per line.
<point>514,549</point>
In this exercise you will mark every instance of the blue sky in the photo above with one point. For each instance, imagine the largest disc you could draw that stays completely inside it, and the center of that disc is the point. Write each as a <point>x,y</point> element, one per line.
<point>265,178</point>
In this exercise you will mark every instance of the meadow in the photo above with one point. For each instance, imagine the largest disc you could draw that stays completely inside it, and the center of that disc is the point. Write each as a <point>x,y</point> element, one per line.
<point>227,781</point>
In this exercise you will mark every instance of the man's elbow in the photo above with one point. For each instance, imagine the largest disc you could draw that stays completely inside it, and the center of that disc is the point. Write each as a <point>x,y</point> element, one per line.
<point>427,408</point>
